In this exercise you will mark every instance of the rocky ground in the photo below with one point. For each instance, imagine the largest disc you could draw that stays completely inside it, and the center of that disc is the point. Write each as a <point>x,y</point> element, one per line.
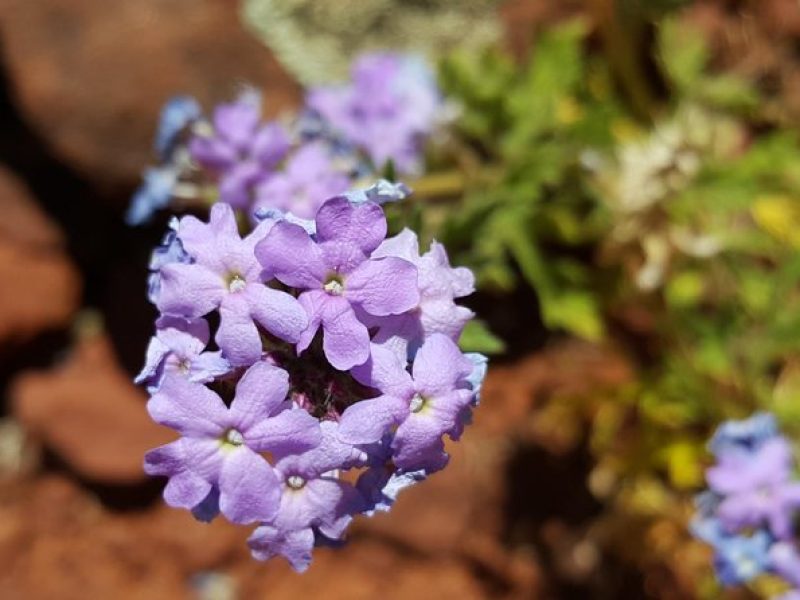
<point>81,82</point>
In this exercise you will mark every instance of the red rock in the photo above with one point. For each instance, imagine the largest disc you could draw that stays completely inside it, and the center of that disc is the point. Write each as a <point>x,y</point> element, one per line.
<point>90,413</point>
<point>41,288</point>
<point>91,75</point>
<point>23,221</point>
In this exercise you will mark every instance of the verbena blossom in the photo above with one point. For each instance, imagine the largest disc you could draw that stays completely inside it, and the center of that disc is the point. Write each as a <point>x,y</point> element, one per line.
<point>297,417</point>
<point>750,512</point>
<point>309,177</point>
<point>388,108</point>
<point>178,347</point>
<point>422,405</point>
<point>224,275</point>
<point>336,276</point>
<point>239,149</point>
<point>219,446</point>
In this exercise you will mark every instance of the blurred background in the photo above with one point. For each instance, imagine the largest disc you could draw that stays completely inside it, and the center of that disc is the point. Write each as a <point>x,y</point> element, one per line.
<point>635,239</point>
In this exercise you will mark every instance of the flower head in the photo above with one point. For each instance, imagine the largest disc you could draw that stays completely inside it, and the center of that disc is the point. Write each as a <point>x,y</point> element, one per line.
<point>337,276</point>
<point>309,177</point>
<point>239,149</point>
<point>226,276</point>
<point>219,446</point>
<point>389,106</point>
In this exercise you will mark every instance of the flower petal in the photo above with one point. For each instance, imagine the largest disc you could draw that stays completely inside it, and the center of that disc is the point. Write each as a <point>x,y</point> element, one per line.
<point>259,393</point>
<point>345,339</point>
<point>367,421</point>
<point>385,286</point>
<point>278,312</point>
<point>295,546</point>
<point>186,490</point>
<point>385,371</point>
<point>439,365</point>
<point>249,489</point>
<point>189,290</point>
<point>288,253</point>
<point>238,336</point>
<point>291,431</point>
<point>363,225</point>
<point>189,408</point>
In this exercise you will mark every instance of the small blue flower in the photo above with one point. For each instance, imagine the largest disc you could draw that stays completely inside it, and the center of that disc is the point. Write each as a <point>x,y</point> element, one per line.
<point>153,195</point>
<point>176,115</point>
<point>740,559</point>
<point>746,435</point>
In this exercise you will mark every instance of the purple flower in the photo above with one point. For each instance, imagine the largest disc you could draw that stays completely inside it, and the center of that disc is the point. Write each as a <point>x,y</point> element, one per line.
<point>756,488</point>
<point>785,559</point>
<point>219,446</point>
<point>225,275</point>
<point>309,177</point>
<point>439,284</point>
<point>387,110</point>
<point>177,348</point>
<point>423,405</point>
<point>241,151</point>
<point>336,275</point>
<point>382,482</point>
<point>313,499</point>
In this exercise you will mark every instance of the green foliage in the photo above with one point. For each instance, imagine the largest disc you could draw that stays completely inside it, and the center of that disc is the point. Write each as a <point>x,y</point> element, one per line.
<point>692,221</point>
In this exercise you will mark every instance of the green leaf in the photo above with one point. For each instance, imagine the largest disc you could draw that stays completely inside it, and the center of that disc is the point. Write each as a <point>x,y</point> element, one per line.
<point>683,52</point>
<point>576,312</point>
<point>477,337</point>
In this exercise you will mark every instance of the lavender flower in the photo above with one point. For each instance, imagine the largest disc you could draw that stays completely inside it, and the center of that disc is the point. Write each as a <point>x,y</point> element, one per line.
<point>423,405</point>
<point>748,514</point>
<point>336,276</point>
<point>309,177</point>
<point>219,446</point>
<point>240,150</point>
<point>388,108</point>
<point>785,559</point>
<point>756,488</point>
<point>313,499</point>
<point>226,276</point>
<point>177,348</point>
<point>439,284</point>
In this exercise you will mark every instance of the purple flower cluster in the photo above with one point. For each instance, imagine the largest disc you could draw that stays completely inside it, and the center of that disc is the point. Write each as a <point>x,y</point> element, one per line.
<point>388,108</point>
<point>749,513</point>
<point>311,369</point>
<point>341,136</point>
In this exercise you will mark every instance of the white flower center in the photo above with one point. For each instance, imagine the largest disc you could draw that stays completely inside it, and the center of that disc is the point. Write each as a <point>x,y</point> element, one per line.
<point>295,482</point>
<point>234,437</point>
<point>417,403</point>
<point>236,283</point>
<point>334,287</point>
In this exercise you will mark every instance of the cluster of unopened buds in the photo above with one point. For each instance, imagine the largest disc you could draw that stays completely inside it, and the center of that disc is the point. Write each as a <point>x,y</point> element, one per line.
<point>749,514</point>
<point>309,364</point>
